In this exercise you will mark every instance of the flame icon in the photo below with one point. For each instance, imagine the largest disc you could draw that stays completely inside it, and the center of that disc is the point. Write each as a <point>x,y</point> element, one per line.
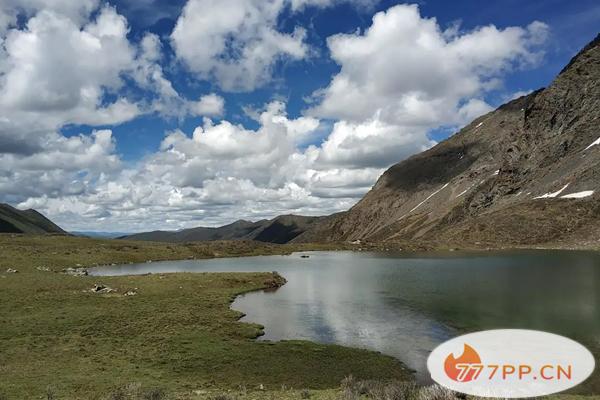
<point>464,368</point>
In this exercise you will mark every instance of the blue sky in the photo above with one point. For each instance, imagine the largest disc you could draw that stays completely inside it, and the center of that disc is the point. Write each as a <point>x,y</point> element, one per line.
<point>572,23</point>
<point>297,107</point>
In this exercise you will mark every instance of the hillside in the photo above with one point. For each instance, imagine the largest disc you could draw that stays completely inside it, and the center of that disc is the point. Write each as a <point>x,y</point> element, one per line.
<point>28,221</point>
<point>281,229</point>
<point>525,174</point>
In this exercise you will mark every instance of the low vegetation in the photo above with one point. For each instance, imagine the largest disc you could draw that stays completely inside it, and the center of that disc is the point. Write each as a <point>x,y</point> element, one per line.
<point>176,337</point>
<point>350,389</point>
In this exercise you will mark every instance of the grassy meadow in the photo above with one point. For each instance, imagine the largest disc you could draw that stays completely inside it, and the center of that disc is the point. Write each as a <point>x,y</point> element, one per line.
<point>175,337</point>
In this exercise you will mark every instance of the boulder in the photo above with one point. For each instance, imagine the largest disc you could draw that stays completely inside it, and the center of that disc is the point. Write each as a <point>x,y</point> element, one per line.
<point>100,288</point>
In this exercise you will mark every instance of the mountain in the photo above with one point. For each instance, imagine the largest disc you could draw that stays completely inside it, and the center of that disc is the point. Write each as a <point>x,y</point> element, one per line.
<point>281,229</point>
<point>527,173</point>
<point>99,235</point>
<point>28,221</point>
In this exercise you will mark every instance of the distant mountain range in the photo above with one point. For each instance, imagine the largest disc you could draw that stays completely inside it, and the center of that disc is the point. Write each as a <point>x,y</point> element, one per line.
<point>100,235</point>
<point>28,221</point>
<point>281,229</point>
<point>527,174</point>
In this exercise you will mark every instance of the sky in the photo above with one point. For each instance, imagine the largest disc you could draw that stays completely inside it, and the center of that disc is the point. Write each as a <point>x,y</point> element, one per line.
<point>126,116</point>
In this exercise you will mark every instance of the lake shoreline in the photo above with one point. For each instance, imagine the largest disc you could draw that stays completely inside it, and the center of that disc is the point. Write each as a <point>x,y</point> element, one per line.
<point>27,254</point>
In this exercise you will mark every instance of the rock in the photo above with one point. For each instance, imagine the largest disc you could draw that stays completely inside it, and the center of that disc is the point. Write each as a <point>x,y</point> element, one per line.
<point>100,288</point>
<point>44,269</point>
<point>75,271</point>
<point>130,293</point>
<point>11,271</point>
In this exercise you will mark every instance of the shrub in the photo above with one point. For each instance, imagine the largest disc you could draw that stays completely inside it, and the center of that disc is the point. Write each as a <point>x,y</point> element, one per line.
<point>154,394</point>
<point>50,393</point>
<point>436,392</point>
<point>395,391</point>
<point>223,396</point>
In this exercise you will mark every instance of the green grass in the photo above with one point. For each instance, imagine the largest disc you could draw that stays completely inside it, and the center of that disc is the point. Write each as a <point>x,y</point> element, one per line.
<point>177,334</point>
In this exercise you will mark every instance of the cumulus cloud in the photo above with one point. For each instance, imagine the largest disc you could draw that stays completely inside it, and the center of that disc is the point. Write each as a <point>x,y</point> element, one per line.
<point>235,41</point>
<point>57,70</point>
<point>66,64</point>
<point>225,150</point>
<point>210,105</point>
<point>408,72</point>
<point>77,11</point>
<point>67,166</point>
<point>220,172</point>
<point>55,66</point>
<point>369,144</point>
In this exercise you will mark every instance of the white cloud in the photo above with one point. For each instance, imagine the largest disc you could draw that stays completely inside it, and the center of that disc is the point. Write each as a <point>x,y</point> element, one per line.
<point>226,150</point>
<point>67,166</point>
<point>77,11</point>
<point>235,41</point>
<point>210,105</point>
<point>409,73</point>
<point>148,73</point>
<point>57,72</point>
<point>55,66</point>
<point>362,4</point>
<point>369,144</point>
<point>222,172</point>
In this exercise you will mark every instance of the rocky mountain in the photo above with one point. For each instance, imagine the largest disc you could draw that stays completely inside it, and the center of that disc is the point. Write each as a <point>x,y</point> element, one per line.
<point>527,173</point>
<point>281,229</point>
<point>28,221</point>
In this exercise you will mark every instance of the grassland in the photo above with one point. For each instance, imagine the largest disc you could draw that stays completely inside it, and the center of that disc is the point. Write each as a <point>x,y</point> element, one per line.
<point>177,335</point>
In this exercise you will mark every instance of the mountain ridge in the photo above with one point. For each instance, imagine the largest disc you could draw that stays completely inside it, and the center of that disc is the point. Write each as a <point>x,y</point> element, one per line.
<point>29,221</point>
<point>280,229</point>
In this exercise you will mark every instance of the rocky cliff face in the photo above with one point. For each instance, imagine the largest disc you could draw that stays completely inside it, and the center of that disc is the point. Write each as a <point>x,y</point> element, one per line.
<point>526,173</point>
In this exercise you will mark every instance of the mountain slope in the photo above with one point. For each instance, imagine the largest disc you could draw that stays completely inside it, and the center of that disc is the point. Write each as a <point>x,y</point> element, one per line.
<point>28,221</point>
<point>281,229</point>
<point>238,229</point>
<point>500,180</point>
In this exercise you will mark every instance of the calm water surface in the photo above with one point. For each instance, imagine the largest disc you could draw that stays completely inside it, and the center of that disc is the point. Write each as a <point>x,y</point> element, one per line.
<point>406,304</point>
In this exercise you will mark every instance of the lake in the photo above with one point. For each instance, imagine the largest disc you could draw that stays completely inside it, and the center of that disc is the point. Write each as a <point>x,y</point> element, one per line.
<point>405,304</point>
